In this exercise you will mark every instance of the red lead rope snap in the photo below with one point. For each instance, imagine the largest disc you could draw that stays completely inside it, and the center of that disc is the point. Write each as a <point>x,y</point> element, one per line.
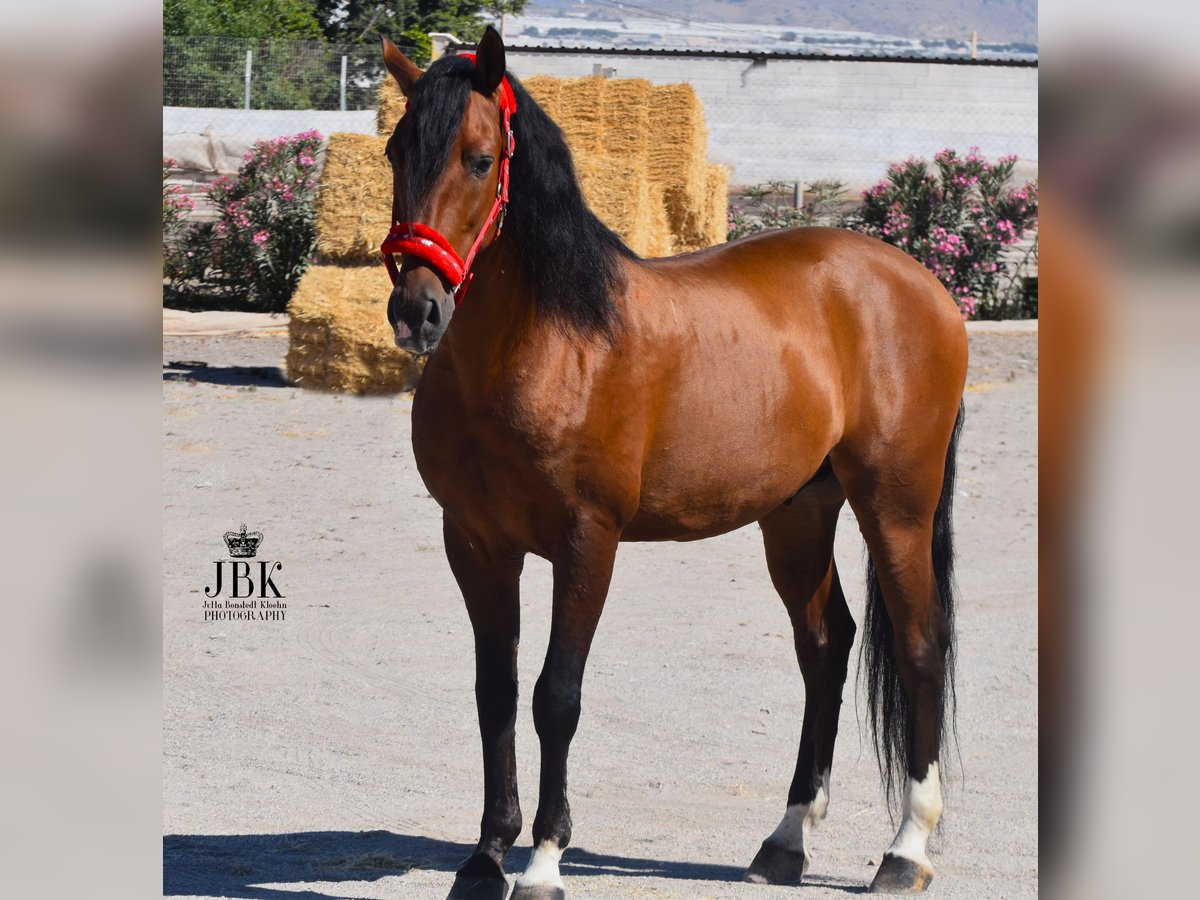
<point>429,245</point>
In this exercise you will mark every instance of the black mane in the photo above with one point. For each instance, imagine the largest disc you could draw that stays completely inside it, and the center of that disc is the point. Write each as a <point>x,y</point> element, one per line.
<point>570,257</point>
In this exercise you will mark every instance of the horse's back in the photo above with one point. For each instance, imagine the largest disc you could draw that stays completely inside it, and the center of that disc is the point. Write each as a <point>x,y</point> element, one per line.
<point>851,302</point>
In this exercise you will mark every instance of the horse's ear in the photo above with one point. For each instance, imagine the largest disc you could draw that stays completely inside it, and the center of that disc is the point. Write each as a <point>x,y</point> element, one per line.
<point>489,62</point>
<point>403,69</point>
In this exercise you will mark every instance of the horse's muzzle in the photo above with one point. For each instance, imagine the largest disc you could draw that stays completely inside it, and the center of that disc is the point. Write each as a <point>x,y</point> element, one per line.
<point>419,310</point>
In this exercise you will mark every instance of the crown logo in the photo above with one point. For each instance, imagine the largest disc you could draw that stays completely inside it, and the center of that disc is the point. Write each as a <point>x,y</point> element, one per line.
<point>243,545</point>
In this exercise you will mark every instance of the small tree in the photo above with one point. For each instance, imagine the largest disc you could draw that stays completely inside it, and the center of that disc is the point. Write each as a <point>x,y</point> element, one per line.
<point>959,221</point>
<point>408,23</point>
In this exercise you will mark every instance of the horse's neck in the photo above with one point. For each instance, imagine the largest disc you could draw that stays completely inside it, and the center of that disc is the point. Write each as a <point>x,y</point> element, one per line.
<point>497,310</point>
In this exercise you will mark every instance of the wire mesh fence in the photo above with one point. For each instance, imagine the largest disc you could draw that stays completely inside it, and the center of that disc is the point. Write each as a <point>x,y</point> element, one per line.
<point>779,119</point>
<point>245,73</point>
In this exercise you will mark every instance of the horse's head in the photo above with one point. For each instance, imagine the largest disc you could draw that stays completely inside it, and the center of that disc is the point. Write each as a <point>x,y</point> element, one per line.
<point>445,154</point>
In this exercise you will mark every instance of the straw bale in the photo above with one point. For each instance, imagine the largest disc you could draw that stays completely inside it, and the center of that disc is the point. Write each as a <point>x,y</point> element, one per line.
<point>339,337</point>
<point>678,157</point>
<point>716,230</point>
<point>712,220</point>
<point>391,107</point>
<point>625,116</point>
<point>618,191</point>
<point>581,114</point>
<point>660,243</point>
<point>597,115</point>
<point>354,205</point>
<point>546,91</point>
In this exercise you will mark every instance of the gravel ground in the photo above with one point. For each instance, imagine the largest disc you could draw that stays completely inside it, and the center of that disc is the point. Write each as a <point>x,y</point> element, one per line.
<point>335,753</point>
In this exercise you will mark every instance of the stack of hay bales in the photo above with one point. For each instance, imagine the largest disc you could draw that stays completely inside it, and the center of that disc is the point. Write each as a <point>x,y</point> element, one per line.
<point>340,339</point>
<point>679,163</point>
<point>640,155</point>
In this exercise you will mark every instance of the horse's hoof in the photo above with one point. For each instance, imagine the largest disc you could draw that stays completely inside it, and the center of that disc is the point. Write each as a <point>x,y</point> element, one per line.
<point>468,888</point>
<point>482,866</point>
<point>898,875</point>
<point>774,864</point>
<point>538,892</point>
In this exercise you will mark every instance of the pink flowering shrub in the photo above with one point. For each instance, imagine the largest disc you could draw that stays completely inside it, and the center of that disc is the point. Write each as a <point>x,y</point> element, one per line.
<point>259,246</point>
<point>176,205</point>
<point>958,220</point>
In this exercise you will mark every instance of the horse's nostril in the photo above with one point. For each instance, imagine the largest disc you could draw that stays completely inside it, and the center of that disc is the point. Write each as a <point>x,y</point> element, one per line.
<point>433,312</point>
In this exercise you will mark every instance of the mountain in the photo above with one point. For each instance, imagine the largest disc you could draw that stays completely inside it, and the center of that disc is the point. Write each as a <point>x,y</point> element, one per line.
<point>995,20</point>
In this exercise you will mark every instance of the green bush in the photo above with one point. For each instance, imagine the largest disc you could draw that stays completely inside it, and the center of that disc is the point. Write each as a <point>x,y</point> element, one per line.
<point>253,255</point>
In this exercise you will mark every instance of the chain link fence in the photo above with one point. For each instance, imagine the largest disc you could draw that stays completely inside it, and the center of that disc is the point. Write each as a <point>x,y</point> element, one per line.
<point>222,94</point>
<point>243,73</point>
<point>769,118</point>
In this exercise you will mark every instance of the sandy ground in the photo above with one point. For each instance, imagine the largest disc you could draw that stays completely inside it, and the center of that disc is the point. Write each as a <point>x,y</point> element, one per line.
<point>335,753</point>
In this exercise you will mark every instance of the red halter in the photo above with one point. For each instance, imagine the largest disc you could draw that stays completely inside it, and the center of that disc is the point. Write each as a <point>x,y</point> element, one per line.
<point>429,245</point>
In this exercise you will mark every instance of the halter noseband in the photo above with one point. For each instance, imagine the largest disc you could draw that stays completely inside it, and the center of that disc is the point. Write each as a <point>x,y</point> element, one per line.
<point>429,245</point>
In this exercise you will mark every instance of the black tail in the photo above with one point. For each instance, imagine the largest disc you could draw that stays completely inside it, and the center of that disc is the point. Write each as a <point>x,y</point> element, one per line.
<point>888,707</point>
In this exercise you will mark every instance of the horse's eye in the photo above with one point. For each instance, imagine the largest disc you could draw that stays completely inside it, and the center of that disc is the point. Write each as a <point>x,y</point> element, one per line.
<point>482,166</point>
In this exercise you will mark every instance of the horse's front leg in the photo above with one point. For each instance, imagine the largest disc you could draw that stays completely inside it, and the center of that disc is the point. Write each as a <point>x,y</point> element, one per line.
<point>490,584</point>
<point>581,578</point>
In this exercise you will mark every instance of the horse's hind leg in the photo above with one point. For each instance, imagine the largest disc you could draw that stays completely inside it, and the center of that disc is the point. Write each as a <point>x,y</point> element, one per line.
<point>902,496</point>
<point>799,545</point>
<point>490,585</point>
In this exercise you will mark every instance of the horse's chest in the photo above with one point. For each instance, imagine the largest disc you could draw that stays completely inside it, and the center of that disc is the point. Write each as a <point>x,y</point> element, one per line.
<point>485,474</point>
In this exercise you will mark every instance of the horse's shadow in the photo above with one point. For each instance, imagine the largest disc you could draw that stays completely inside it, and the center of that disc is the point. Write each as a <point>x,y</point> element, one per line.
<point>226,376</point>
<point>242,865</point>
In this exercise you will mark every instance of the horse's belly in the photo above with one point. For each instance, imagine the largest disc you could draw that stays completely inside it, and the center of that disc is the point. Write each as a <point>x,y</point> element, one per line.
<point>650,525</point>
<point>722,497</point>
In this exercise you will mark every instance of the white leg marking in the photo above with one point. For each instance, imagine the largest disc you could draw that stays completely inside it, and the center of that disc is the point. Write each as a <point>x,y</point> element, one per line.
<point>922,809</point>
<point>820,804</point>
<point>801,818</point>
<point>542,870</point>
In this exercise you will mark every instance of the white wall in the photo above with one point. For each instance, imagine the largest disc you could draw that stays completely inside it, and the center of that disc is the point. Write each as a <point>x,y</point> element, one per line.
<point>808,119</point>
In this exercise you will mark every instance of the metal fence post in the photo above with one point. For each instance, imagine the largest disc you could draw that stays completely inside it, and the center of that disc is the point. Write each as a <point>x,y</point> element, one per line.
<point>342,96</point>
<point>249,65</point>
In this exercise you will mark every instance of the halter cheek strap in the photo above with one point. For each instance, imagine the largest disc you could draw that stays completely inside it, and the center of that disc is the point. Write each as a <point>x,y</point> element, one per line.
<point>429,245</point>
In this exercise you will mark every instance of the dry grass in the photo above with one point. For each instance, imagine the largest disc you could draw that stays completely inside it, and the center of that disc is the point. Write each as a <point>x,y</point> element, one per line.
<point>661,127</point>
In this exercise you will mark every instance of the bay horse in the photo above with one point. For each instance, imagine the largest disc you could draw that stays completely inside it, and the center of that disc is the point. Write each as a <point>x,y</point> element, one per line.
<point>580,396</point>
